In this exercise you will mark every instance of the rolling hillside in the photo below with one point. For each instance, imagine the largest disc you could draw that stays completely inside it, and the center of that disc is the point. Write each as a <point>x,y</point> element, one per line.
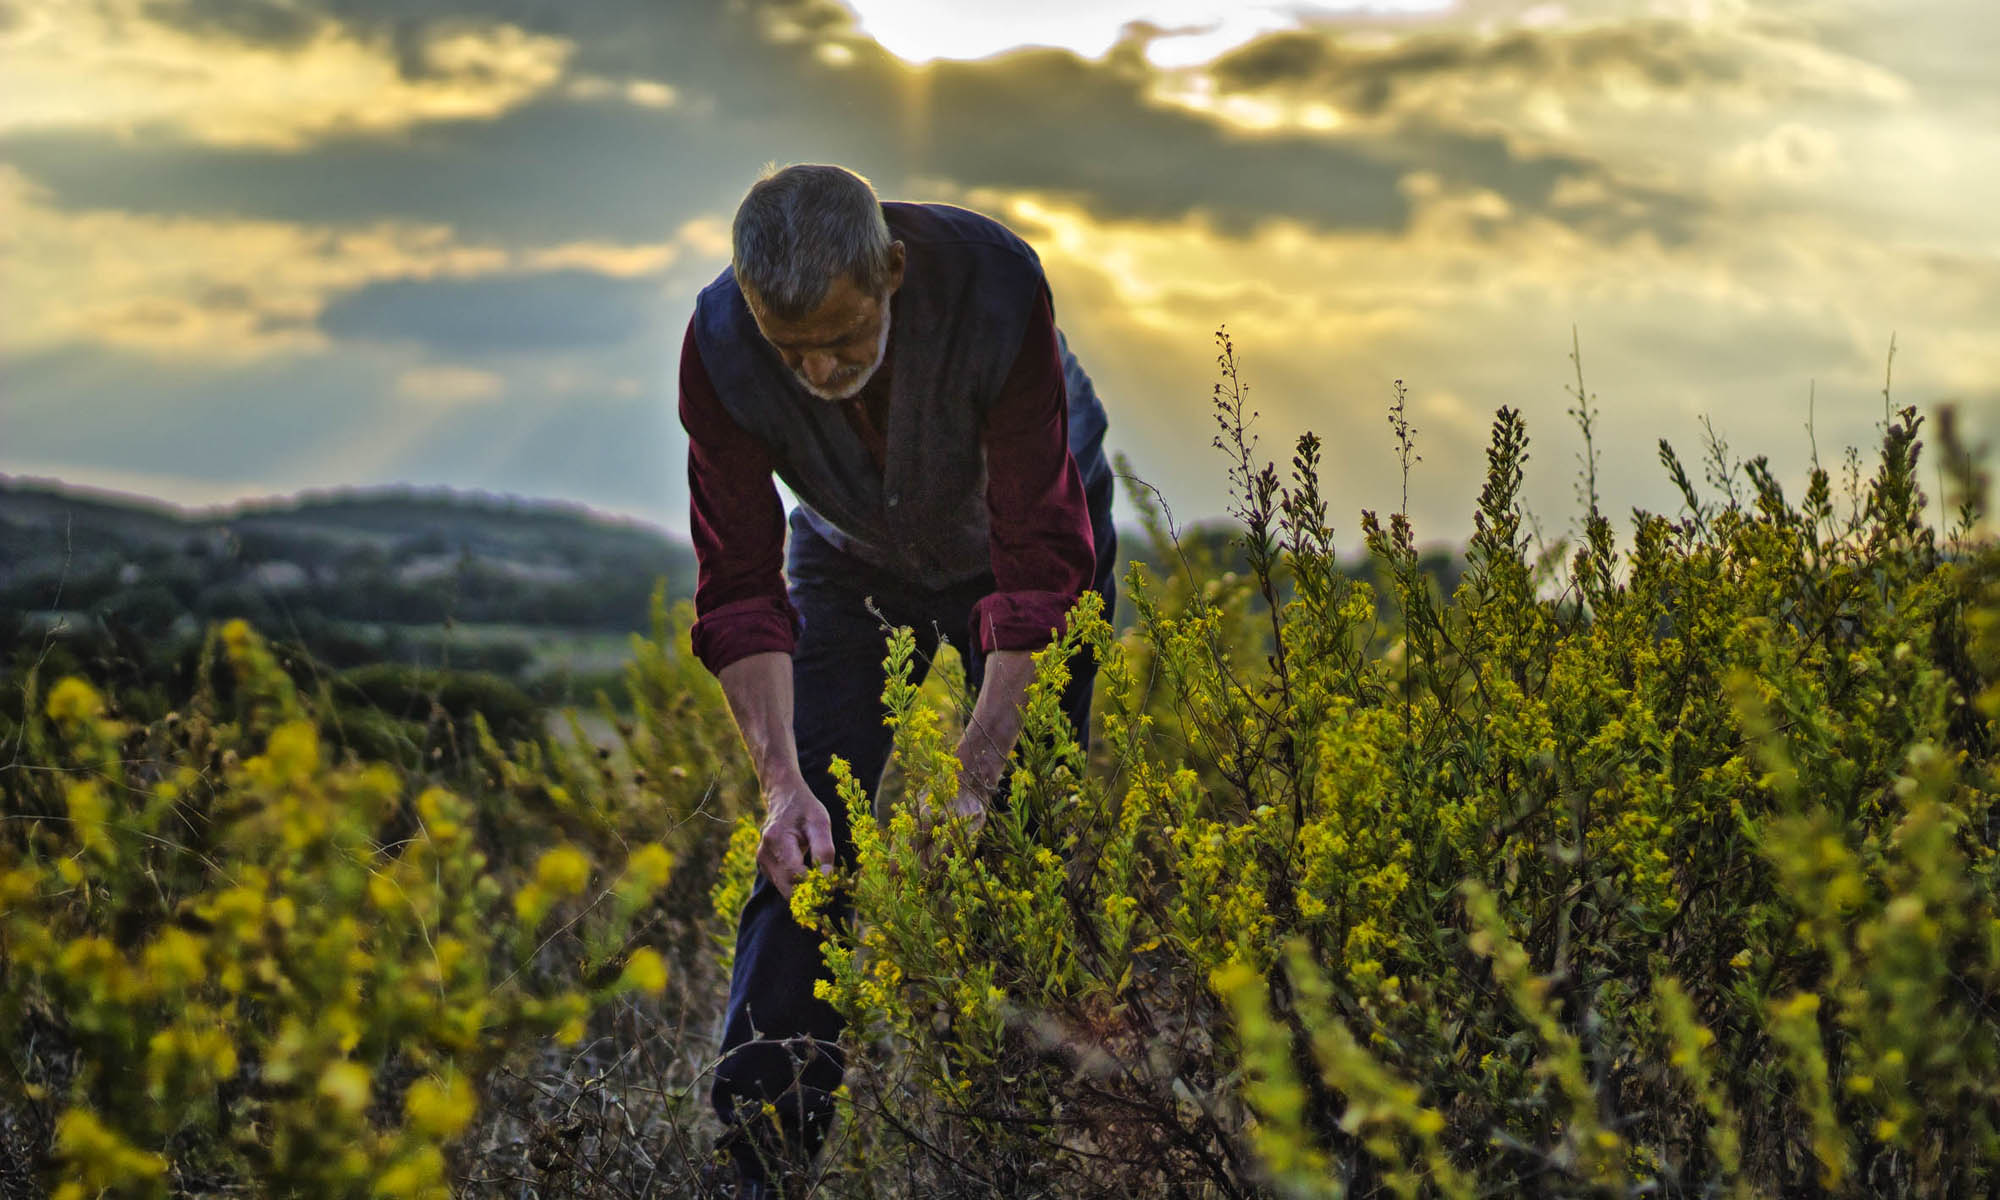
<point>523,588</point>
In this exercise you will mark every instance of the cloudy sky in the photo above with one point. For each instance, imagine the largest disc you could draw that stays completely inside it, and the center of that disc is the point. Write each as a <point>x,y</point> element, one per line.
<point>249,247</point>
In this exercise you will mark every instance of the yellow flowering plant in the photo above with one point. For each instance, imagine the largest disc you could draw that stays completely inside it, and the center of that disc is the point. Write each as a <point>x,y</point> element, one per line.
<point>232,956</point>
<point>1663,867</point>
<point>1653,864</point>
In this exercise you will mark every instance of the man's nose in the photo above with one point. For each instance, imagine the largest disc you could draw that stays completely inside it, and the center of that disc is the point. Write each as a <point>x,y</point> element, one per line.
<point>820,367</point>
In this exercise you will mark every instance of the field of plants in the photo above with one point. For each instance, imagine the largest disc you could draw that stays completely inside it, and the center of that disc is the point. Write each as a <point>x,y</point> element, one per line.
<point>1659,863</point>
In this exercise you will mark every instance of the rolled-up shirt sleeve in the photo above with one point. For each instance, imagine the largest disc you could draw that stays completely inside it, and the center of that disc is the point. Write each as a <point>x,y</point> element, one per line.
<point>738,525</point>
<point>1042,550</point>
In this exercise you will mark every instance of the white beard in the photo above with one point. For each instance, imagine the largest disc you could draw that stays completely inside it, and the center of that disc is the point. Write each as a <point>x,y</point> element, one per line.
<point>852,388</point>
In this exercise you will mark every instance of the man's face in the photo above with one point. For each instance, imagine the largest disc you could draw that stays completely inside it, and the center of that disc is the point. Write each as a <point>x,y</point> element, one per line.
<point>835,349</point>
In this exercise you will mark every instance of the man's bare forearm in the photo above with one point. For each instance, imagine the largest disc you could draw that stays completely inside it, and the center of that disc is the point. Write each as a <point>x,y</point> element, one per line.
<point>759,691</point>
<point>996,720</point>
<point>797,830</point>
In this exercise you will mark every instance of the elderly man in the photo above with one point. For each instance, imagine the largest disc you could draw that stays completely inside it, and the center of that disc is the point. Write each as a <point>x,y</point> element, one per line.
<point>898,366</point>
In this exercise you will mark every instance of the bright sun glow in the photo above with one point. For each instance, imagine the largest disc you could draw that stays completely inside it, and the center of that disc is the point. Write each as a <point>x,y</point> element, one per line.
<point>922,30</point>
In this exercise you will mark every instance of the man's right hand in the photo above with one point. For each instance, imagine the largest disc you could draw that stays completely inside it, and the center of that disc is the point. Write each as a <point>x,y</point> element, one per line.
<point>797,834</point>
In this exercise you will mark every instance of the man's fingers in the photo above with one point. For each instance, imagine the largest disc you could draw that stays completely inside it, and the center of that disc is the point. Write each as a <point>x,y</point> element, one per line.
<point>779,857</point>
<point>819,838</point>
<point>969,808</point>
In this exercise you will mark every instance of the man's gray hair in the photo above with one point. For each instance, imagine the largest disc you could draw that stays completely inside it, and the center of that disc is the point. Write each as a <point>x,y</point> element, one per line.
<point>801,228</point>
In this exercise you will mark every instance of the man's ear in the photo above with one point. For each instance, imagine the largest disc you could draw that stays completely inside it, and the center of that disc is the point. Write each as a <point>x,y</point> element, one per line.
<point>751,302</point>
<point>897,258</point>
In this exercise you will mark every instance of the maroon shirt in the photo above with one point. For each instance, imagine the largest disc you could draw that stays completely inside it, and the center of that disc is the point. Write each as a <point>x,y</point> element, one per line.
<point>1039,523</point>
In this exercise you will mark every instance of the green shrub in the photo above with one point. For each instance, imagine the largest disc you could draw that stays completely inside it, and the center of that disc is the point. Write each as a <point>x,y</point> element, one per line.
<point>399,712</point>
<point>1672,873</point>
<point>1654,867</point>
<point>228,962</point>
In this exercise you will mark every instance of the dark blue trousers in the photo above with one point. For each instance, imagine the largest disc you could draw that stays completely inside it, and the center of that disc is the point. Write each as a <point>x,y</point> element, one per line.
<point>780,1042</point>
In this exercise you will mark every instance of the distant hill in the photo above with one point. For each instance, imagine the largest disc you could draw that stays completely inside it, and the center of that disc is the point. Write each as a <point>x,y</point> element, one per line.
<point>363,566</point>
<point>534,590</point>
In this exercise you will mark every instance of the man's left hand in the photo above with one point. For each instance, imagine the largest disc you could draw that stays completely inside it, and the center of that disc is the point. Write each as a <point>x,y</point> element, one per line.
<point>968,809</point>
<point>959,824</point>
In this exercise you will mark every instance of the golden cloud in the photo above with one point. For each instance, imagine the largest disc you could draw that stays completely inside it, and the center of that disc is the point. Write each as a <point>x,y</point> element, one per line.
<point>1693,102</point>
<point>1792,153</point>
<point>639,93</point>
<point>1473,306</point>
<point>605,258</point>
<point>229,289</point>
<point>232,289</point>
<point>109,64</point>
<point>1530,73</point>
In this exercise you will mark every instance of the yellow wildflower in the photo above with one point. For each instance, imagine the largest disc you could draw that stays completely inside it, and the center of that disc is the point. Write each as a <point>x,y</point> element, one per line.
<point>174,961</point>
<point>88,811</point>
<point>645,971</point>
<point>563,871</point>
<point>73,701</point>
<point>346,1085</point>
<point>440,1109</point>
<point>651,864</point>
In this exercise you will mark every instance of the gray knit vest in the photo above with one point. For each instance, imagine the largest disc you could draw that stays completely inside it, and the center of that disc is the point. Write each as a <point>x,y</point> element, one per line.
<point>969,286</point>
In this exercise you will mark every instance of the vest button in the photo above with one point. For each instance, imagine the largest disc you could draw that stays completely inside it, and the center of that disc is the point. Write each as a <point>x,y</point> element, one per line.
<point>894,498</point>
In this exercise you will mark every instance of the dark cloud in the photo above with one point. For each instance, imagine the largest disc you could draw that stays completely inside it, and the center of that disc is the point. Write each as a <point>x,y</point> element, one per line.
<point>1369,80</point>
<point>551,172</point>
<point>1049,120</point>
<point>560,168</point>
<point>1089,130</point>
<point>263,22</point>
<point>526,313</point>
<point>625,36</point>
